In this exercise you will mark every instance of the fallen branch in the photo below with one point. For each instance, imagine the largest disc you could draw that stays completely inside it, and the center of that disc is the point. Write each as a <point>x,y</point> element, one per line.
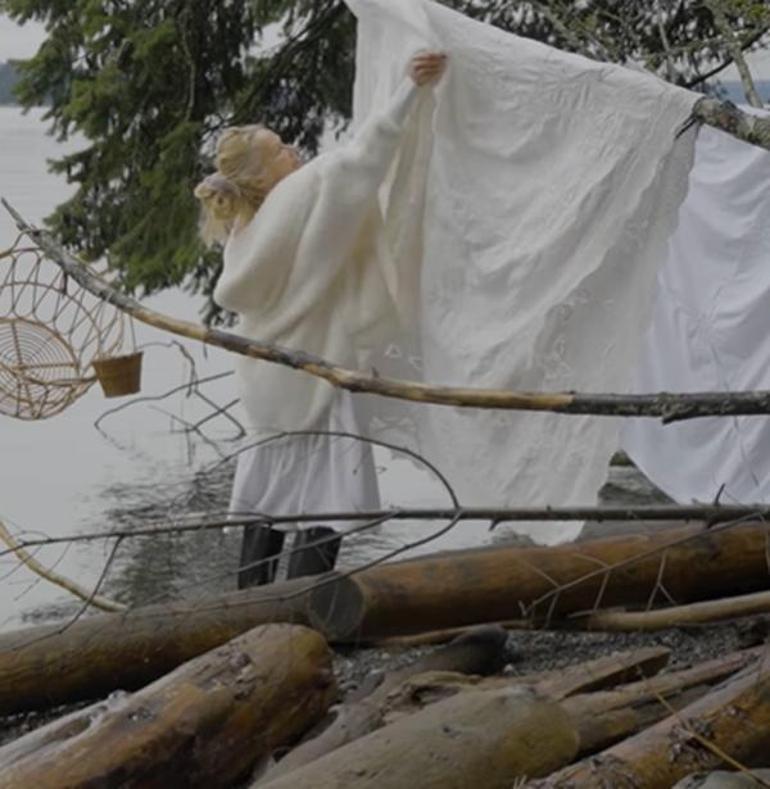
<point>87,595</point>
<point>708,513</point>
<point>669,407</point>
<point>705,612</point>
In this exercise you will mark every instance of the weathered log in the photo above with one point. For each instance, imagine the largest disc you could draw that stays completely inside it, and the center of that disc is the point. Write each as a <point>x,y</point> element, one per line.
<point>604,672</point>
<point>680,615</point>
<point>479,651</point>
<point>203,725</point>
<point>726,780</point>
<point>605,717</point>
<point>441,636</point>
<point>557,684</point>
<point>497,583</point>
<point>730,723</point>
<point>595,674</point>
<point>602,730</point>
<point>598,689</point>
<point>484,738</point>
<point>44,666</point>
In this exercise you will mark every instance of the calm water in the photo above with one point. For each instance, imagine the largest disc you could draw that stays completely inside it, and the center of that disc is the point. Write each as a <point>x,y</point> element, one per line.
<point>61,476</point>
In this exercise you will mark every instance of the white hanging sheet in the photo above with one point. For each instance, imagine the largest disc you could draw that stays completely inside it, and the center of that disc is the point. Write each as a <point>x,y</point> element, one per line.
<point>553,185</point>
<point>710,329</point>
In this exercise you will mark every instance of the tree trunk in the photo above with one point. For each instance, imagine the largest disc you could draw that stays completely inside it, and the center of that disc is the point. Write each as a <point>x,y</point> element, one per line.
<point>486,739</point>
<point>498,583</point>
<point>203,725</point>
<point>733,720</point>
<point>44,666</point>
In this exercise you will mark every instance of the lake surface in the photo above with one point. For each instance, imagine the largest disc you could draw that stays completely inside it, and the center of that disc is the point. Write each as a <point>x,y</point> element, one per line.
<point>61,476</point>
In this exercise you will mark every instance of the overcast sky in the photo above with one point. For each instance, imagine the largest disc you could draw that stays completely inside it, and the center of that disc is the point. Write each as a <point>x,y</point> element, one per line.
<point>21,42</point>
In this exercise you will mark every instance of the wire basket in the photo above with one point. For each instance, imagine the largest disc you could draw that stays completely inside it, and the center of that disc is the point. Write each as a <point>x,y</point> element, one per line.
<point>51,332</point>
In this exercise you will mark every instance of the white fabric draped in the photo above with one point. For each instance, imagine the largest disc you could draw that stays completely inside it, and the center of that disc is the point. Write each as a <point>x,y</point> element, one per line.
<point>538,219</point>
<point>710,329</point>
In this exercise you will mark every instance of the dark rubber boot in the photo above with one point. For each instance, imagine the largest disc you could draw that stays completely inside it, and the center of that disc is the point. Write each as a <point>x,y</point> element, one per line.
<point>259,542</point>
<point>309,559</point>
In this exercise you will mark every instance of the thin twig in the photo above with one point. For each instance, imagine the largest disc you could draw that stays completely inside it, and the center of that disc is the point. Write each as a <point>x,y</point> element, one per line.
<point>86,604</point>
<point>637,558</point>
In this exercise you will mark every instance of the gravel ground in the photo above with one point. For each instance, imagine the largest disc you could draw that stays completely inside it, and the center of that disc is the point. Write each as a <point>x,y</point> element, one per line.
<point>533,651</point>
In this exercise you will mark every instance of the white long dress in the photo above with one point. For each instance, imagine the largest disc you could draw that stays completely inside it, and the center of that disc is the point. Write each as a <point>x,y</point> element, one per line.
<point>311,273</point>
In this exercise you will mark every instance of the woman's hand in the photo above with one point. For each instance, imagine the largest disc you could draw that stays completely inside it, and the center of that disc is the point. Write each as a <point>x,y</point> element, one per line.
<point>426,68</point>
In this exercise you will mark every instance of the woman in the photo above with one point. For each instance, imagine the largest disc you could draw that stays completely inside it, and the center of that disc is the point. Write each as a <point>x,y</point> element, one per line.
<point>304,267</point>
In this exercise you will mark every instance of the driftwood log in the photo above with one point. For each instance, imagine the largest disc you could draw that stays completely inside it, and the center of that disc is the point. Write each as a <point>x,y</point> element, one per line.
<point>44,666</point>
<point>731,723</point>
<point>204,725</point>
<point>498,583</point>
<point>479,738</point>
<point>701,613</point>
<point>480,651</point>
<point>601,673</point>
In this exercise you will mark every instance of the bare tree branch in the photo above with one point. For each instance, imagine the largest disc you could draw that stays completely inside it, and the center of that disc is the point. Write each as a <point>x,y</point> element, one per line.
<point>708,513</point>
<point>17,548</point>
<point>670,407</point>
<point>723,25</point>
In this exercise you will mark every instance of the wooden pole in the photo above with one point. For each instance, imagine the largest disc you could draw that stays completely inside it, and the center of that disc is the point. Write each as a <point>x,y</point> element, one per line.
<point>44,666</point>
<point>204,725</point>
<point>669,407</point>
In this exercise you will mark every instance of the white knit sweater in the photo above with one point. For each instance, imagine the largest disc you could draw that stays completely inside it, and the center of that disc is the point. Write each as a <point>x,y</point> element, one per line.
<point>311,271</point>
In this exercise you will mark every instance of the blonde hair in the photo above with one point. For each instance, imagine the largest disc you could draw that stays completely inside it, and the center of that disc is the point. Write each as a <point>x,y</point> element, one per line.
<point>236,189</point>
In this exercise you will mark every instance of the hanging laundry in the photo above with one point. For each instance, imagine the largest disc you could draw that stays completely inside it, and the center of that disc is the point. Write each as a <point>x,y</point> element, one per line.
<point>526,221</point>
<point>709,331</point>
